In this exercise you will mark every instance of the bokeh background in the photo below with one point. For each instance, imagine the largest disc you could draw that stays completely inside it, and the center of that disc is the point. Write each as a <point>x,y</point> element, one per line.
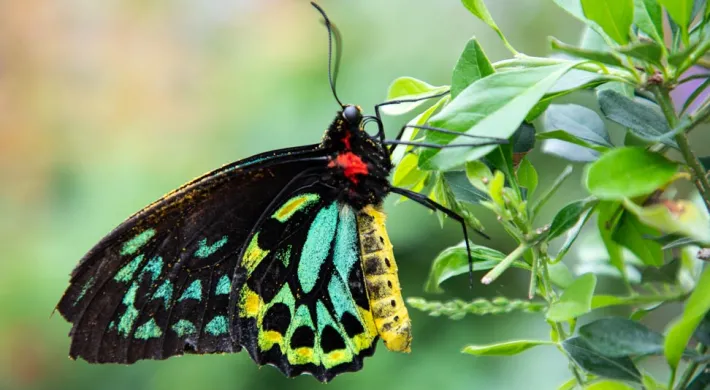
<point>106,105</point>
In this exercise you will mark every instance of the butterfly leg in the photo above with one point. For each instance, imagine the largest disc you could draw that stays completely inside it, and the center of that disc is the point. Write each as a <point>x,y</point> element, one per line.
<point>434,206</point>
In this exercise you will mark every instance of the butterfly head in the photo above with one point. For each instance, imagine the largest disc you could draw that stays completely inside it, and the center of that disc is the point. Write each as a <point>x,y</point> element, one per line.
<point>359,161</point>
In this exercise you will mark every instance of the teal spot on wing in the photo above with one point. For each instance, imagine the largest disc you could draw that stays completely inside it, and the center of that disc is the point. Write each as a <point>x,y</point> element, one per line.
<point>284,255</point>
<point>346,251</point>
<point>125,323</point>
<point>317,246</point>
<point>323,317</point>
<point>205,250</point>
<point>184,328</point>
<point>125,274</point>
<point>154,266</point>
<point>132,246</point>
<point>217,326</point>
<point>223,286</point>
<point>111,325</point>
<point>165,291</point>
<point>84,289</point>
<point>148,330</point>
<point>301,318</point>
<point>340,297</point>
<point>193,291</point>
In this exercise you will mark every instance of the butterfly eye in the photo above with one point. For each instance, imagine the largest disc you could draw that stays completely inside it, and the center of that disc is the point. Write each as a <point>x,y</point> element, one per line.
<point>352,115</point>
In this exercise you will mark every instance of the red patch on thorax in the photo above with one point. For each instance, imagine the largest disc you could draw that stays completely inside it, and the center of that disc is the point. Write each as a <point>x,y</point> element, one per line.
<point>351,164</point>
<point>346,140</point>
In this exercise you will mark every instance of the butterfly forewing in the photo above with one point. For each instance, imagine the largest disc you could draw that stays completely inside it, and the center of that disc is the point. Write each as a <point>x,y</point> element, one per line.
<point>155,286</point>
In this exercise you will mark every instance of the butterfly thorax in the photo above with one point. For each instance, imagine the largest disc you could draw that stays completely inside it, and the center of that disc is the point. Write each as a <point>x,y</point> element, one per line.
<point>359,163</point>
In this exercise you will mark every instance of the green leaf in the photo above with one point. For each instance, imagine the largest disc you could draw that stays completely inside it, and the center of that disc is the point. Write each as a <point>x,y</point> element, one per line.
<point>667,273</point>
<point>702,332</point>
<point>678,57</point>
<point>682,328</point>
<point>614,16</point>
<point>479,175</point>
<point>705,160</point>
<point>471,66</point>
<point>571,384</point>
<point>462,189</point>
<point>619,337</point>
<point>569,216</point>
<point>599,301</point>
<point>628,172</point>
<point>527,176</point>
<point>453,261</point>
<point>679,10</point>
<point>560,275</point>
<point>562,135</point>
<point>574,8</point>
<point>595,363</point>
<point>507,348</point>
<point>631,233</point>
<point>409,88</point>
<point>494,106</point>
<point>592,39</point>
<point>582,126</point>
<point>575,301</point>
<point>641,116</point>
<point>523,140</point>
<point>702,380</point>
<point>406,174</point>
<point>479,10</point>
<point>607,221</point>
<point>608,385</point>
<point>410,132</point>
<point>648,16</point>
<point>605,57</point>
<point>649,52</point>
<point>572,235</point>
<point>674,217</point>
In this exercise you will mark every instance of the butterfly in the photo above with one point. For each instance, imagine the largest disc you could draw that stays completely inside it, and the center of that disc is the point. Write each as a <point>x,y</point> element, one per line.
<point>284,254</point>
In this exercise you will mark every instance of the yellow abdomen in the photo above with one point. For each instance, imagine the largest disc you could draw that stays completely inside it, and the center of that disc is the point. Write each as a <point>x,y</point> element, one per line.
<point>383,290</point>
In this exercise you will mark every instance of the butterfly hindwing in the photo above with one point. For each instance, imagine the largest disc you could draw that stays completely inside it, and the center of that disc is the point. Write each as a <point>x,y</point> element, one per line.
<point>159,284</point>
<point>303,305</point>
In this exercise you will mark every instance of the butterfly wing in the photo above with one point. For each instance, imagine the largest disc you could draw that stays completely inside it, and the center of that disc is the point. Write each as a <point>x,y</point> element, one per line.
<point>302,305</point>
<point>159,284</point>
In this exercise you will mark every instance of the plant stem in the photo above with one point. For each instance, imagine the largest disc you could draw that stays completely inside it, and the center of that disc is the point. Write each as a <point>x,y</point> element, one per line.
<point>504,264</point>
<point>690,370</point>
<point>664,100</point>
<point>550,296</point>
<point>537,205</point>
<point>694,57</point>
<point>615,74</point>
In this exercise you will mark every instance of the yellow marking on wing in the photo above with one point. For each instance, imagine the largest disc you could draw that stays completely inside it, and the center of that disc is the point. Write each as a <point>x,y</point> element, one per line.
<point>339,356</point>
<point>253,254</point>
<point>268,338</point>
<point>364,340</point>
<point>250,303</point>
<point>293,205</point>
<point>302,355</point>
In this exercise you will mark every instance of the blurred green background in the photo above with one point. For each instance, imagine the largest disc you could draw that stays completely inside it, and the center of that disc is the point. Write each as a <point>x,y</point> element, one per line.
<point>105,106</point>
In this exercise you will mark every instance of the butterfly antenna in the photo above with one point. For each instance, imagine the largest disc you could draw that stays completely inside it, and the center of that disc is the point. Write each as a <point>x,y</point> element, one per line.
<point>333,66</point>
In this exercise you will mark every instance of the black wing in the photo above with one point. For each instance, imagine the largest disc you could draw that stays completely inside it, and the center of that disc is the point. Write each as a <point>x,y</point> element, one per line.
<point>159,284</point>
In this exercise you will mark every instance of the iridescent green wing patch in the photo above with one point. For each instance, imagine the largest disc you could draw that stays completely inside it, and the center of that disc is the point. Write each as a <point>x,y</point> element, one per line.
<point>307,312</point>
<point>160,284</point>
